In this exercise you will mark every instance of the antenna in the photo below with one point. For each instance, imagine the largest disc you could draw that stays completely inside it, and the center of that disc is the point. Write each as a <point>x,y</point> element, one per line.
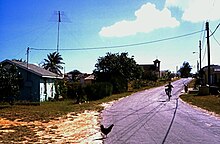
<point>28,49</point>
<point>58,30</point>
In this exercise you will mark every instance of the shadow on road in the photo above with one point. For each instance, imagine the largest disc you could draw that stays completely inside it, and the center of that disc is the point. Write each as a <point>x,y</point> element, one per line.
<point>171,123</point>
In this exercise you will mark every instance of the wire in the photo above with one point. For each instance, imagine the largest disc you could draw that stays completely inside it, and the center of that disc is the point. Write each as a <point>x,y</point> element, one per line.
<point>203,39</point>
<point>204,53</point>
<point>121,46</point>
<point>215,38</point>
<point>202,34</point>
<point>215,30</point>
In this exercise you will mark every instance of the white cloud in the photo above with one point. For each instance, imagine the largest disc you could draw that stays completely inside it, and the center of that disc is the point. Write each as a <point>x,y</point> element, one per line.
<point>148,18</point>
<point>197,10</point>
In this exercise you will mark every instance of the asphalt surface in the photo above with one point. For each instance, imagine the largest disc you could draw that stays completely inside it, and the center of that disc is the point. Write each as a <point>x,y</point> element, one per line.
<point>148,117</point>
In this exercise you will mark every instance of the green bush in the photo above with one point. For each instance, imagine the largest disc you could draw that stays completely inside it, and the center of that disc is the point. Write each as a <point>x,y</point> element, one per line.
<point>61,89</point>
<point>76,91</point>
<point>137,84</point>
<point>98,90</point>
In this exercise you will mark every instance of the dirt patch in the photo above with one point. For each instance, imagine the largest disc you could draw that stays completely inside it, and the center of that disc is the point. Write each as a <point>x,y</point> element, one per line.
<point>73,128</point>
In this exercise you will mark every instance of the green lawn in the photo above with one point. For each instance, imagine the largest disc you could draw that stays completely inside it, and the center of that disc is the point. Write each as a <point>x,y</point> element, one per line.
<point>210,102</point>
<point>50,110</point>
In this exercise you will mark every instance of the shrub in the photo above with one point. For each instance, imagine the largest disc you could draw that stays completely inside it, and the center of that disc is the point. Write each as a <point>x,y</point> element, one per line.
<point>143,83</point>
<point>137,84</point>
<point>76,91</point>
<point>98,90</point>
<point>61,89</point>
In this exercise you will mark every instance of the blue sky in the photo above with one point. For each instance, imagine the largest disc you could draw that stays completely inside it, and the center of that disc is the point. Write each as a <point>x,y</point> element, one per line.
<point>96,23</point>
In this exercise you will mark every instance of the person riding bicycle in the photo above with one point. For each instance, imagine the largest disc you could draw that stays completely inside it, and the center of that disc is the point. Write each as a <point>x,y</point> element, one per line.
<point>169,89</point>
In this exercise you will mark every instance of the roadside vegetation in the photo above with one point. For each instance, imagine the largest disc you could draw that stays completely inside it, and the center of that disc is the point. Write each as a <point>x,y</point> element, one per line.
<point>50,110</point>
<point>210,102</point>
<point>207,102</point>
<point>117,76</point>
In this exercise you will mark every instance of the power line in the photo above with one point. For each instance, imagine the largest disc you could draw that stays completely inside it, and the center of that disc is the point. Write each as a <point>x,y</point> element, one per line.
<point>204,53</point>
<point>202,34</point>
<point>121,46</point>
<point>216,40</point>
<point>215,30</point>
<point>203,40</point>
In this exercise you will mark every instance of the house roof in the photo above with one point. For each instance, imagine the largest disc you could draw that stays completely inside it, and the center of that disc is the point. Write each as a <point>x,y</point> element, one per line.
<point>91,77</point>
<point>33,69</point>
<point>156,60</point>
<point>211,66</point>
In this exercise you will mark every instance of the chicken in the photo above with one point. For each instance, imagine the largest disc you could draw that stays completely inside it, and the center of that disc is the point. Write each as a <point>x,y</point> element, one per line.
<point>105,131</point>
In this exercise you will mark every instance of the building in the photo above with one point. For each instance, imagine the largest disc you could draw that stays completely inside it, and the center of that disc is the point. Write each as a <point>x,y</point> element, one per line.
<point>38,84</point>
<point>88,79</point>
<point>214,75</point>
<point>152,68</point>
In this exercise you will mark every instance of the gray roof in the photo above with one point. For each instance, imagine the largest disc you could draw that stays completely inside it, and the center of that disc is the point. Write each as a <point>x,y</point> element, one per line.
<point>34,69</point>
<point>212,66</point>
<point>91,77</point>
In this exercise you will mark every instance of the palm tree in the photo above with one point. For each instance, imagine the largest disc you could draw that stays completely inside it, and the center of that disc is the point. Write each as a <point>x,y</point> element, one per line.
<point>53,63</point>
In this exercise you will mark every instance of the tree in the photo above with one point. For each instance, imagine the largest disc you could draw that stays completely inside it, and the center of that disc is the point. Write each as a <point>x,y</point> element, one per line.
<point>53,63</point>
<point>150,75</point>
<point>167,75</point>
<point>75,74</point>
<point>117,69</point>
<point>185,70</point>
<point>10,80</point>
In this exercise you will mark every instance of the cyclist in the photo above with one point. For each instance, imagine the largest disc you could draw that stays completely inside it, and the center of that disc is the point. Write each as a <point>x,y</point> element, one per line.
<point>169,89</point>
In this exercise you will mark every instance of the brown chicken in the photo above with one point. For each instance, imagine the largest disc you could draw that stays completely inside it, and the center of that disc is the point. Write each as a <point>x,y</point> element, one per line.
<point>106,131</point>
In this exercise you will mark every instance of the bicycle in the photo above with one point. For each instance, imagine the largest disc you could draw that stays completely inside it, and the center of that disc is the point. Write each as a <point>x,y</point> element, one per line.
<point>168,92</point>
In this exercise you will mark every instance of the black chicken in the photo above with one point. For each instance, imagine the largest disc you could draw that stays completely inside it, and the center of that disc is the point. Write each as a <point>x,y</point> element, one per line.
<point>105,131</point>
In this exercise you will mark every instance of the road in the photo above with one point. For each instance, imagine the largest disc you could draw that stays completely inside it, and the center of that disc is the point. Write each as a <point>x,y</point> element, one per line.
<point>148,117</point>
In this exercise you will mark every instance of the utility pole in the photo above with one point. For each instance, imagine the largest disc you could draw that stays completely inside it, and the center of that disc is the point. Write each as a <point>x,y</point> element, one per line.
<point>58,30</point>
<point>208,51</point>
<point>27,56</point>
<point>200,51</point>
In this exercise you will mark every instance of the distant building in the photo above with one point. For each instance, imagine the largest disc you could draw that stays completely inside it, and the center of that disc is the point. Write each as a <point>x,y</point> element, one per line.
<point>152,68</point>
<point>88,80</point>
<point>82,78</point>
<point>214,75</point>
<point>73,76</point>
<point>38,84</point>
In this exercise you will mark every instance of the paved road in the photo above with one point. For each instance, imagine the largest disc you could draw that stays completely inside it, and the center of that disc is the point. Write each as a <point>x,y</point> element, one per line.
<point>147,117</point>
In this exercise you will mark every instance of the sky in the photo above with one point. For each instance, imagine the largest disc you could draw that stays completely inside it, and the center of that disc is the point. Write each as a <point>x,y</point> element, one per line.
<point>168,30</point>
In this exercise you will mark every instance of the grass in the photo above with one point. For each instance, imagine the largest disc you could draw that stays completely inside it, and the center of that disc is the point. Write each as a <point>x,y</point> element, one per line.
<point>209,102</point>
<point>51,110</point>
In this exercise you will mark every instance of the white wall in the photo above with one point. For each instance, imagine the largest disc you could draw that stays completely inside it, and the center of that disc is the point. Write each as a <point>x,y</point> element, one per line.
<point>50,90</point>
